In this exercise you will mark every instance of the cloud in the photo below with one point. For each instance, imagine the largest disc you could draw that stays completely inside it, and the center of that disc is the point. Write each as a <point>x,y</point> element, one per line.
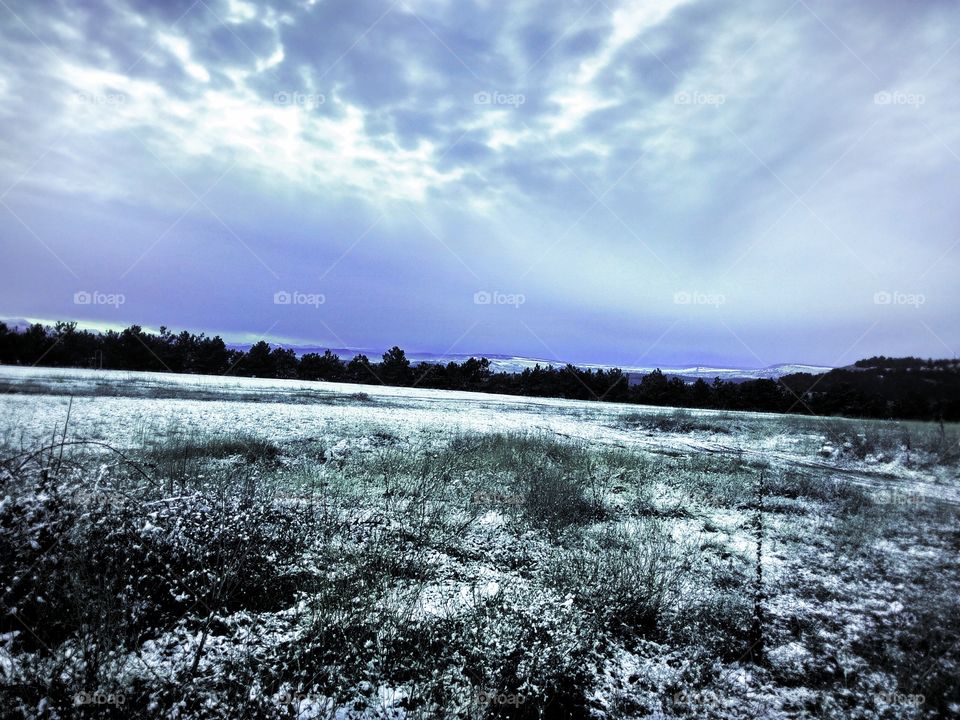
<point>597,157</point>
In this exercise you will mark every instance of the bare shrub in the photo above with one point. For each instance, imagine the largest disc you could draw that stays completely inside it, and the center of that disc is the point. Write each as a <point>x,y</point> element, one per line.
<point>629,580</point>
<point>556,500</point>
<point>680,420</point>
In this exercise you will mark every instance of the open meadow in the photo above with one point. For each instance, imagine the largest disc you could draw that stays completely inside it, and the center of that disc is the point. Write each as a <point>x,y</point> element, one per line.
<point>190,546</point>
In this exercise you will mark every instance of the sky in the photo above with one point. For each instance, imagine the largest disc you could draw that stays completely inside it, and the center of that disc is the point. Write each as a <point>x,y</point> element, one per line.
<point>635,183</point>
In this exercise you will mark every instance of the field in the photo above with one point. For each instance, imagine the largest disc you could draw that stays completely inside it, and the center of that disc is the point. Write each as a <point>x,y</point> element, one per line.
<point>184,546</point>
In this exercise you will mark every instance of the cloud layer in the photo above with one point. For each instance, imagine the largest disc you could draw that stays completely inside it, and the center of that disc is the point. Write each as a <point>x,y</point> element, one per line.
<point>662,182</point>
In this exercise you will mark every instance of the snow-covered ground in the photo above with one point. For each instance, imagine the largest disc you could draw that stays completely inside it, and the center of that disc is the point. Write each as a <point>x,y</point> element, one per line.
<point>432,572</point>
<point>123,407</point>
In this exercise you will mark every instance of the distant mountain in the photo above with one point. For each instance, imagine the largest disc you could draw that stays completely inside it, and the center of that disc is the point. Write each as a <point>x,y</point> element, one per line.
<point>517,364</point>
<point>772,372</point>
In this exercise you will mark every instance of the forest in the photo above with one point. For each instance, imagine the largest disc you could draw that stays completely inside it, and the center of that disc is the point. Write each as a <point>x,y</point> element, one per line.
<point>878,387</point>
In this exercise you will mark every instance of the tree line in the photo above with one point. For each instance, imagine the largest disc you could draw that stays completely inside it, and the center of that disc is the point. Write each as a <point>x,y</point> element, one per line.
<point>909,388</point>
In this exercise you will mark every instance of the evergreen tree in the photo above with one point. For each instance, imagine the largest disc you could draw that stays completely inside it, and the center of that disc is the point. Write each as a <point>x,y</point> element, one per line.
<point>395,368</point>
<point>359,370</point>
<point>258,361</point>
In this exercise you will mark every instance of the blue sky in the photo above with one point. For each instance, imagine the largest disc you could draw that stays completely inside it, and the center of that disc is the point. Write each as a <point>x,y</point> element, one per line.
<point>627,182</point>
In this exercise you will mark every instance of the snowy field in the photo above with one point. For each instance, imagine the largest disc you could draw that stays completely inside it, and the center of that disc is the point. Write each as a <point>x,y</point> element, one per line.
<point>186,546</point>
<point>123,408</point>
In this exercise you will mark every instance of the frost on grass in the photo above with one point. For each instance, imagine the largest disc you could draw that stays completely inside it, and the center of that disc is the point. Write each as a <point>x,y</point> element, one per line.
<point>401,556</point>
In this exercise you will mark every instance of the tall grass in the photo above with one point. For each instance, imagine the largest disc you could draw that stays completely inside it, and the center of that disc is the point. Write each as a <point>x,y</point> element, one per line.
<point>628,578</point>
<point>680,420</point>
<point>915,443</point>
<point>481,576</point>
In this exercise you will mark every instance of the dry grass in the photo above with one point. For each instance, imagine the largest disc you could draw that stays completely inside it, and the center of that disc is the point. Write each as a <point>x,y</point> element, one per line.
<point>511,566</point>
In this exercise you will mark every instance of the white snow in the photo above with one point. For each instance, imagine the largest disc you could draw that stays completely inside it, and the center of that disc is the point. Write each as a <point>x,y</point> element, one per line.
<point>124,407</point>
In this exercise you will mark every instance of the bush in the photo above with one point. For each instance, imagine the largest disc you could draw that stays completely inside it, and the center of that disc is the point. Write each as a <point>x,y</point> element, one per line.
<point>93,576</point>
<point>678,421</point>
<point>556,500</point>
<point>510,654</point>
<point>181,460</point>
<point>795,484</point>
<point>629,582</point>
<point>920,650</point>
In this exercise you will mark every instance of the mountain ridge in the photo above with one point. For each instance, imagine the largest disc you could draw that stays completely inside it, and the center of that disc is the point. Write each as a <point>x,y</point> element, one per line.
<point>500,362</point>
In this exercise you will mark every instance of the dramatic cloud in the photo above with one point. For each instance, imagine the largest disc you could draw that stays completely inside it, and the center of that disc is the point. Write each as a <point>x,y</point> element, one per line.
<point>659,182</point>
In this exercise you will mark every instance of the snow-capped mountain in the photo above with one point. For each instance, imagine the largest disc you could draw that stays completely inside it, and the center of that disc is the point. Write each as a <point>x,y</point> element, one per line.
<point>516,364</point>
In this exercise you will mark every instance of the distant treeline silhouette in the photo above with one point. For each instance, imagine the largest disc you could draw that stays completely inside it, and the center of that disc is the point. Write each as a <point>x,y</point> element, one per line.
<point>906,388</point>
